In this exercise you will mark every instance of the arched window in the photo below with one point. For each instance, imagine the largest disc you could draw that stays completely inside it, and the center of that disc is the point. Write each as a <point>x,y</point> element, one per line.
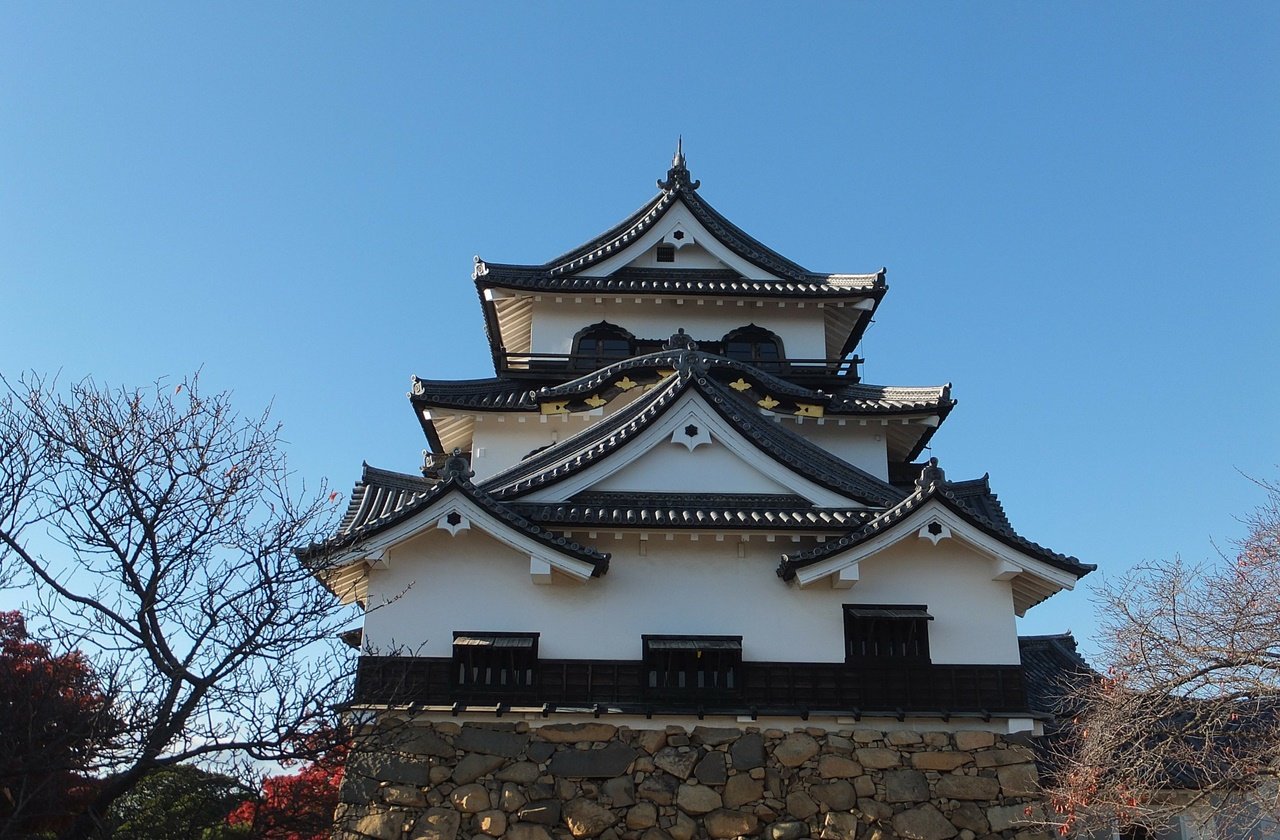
<point>602,344</point>
<point>754,345</point>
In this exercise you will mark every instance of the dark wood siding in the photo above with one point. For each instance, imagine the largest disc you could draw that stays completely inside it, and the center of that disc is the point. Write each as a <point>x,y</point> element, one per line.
<point>766,688</point>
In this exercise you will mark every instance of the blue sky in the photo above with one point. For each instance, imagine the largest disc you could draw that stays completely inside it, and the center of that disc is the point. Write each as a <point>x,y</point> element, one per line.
<point>1078,205</point>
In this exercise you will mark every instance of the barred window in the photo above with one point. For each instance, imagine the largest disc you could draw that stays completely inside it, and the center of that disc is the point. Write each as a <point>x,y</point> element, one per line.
<point>886,632</point>
<point>693,665</point>
<point>494,660</point>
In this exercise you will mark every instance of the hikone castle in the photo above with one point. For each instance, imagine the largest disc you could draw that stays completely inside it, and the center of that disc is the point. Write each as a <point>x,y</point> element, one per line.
<point>675,571</point>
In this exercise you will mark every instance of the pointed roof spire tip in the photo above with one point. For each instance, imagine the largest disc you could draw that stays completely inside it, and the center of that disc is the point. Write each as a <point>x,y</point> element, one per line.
<point>678,174</point>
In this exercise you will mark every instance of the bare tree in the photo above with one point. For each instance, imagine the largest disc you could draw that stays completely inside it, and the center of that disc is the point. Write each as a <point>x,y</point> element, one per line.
<point>1185,715</point>
<point>156,528</point>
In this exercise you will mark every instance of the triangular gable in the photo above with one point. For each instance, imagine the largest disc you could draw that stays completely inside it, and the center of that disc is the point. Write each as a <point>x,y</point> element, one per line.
<point>680,228</point>
<point>389,509</point>
<point>931,517</point>
<point>804,464</point>
<point>679,435</point>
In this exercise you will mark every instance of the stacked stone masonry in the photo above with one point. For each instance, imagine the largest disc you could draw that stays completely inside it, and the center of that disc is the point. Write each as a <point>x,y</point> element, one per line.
<point>475,781</point>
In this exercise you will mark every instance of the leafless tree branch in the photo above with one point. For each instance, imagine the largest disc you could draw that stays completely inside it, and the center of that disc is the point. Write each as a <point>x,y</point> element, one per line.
<point>157,529</point>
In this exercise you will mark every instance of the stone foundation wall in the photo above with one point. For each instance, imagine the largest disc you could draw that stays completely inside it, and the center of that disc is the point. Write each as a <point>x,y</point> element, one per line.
<point>474,781</point>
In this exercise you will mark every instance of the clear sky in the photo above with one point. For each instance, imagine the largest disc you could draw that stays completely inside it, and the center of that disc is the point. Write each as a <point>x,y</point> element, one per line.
<point>1078,204</point>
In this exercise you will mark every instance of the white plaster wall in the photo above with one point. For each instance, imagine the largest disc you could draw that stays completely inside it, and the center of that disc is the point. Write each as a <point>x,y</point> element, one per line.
<point>501,440</point>
<point>437,584</point>
<point>687,256</point>
<point>672,468</point>
<point>863,446</point>
<point>555,324</point>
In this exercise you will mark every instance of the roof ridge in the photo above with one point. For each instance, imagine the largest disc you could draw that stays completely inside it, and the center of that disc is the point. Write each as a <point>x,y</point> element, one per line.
<point>377,475</point>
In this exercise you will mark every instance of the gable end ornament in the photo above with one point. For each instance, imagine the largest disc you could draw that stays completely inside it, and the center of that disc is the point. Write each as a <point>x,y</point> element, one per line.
<point>934,531</point>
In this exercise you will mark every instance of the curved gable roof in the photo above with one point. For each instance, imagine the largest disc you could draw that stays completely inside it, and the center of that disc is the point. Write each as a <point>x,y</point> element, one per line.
<point>383,499</point>
<point>691,369</point>
<point>979,509</point>
<point>678,187</point>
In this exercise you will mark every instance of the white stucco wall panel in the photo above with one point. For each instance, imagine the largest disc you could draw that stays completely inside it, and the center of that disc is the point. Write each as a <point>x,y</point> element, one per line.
<point>555,324</point>
<point>687,256</point>
<point>437,584</point>
<point>677,217</point>
<point>710,468</point>
<point>863,446</point>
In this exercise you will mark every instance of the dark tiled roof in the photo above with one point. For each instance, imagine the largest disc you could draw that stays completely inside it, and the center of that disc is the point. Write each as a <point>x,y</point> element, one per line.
<point>563,271</point>
<point>493,394</point>
<point>861,398</point>
<point>678,186</point>
<point>564,274</point>
<point>692,510</point>
<point>788,448</point>
<point>688,281</point>
<point>964,505</point>
<point>752,381</point>
<point>976,495</point>
<point>1051,666</point>
<point>383,499</point>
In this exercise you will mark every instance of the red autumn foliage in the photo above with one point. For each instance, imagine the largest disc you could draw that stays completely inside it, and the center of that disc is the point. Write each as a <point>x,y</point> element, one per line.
<point>296,806</point>
<point>55,719</point>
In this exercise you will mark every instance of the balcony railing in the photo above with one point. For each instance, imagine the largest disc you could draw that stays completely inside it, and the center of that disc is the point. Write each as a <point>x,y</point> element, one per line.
<point>764,688</point>
<point>543,364</point>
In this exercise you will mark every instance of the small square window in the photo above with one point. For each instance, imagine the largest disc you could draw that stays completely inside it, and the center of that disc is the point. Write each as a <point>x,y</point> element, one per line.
<point>495,660</point>
<point>886,633</point>
<point>666,253</point>
<point>693,666</point>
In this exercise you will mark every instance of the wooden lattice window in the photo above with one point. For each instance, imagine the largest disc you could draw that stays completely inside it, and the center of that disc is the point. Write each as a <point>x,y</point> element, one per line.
<point>886,633</point>
<point>693,665</point>
<point>494,660</point>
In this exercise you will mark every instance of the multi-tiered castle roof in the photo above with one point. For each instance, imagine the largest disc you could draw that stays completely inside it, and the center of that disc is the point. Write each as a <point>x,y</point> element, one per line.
<point>674,400</point>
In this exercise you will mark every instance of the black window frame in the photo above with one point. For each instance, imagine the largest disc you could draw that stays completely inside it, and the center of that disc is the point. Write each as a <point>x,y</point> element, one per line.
<point>752,341</point>
<point>602,344</point>
<point>886,633</point>
<point>692,666</point>
<point>665,253</point>
<point>509,661</point>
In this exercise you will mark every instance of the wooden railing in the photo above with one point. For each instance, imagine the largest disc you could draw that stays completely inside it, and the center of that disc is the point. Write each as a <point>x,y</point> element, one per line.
<point>764,688</point>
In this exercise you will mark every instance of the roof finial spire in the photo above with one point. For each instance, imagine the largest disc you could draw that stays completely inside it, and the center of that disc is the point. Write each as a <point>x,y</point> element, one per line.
<point>678,174</point>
